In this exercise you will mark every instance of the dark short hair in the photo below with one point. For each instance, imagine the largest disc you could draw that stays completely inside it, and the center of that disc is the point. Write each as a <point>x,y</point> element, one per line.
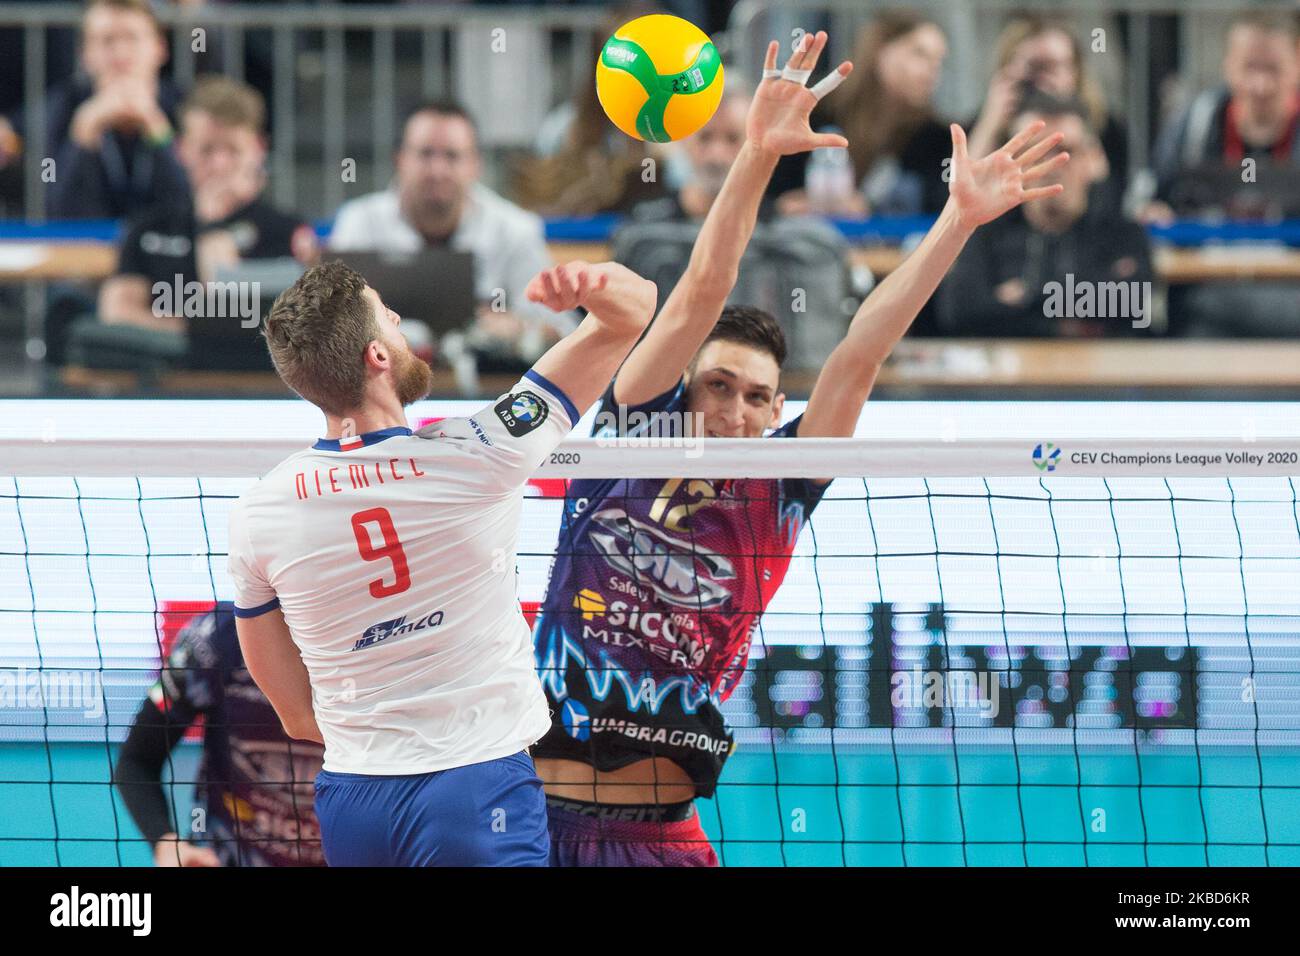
<point>1054,107</point>
<point>443,106</point>
<point>746,325</point>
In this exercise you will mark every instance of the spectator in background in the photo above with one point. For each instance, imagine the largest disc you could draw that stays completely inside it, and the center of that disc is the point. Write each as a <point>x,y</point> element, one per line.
<point>437,200</point>
<point>709,155</point>
<point>586,165</point>
<point>1043,53</point>
<point>1057,267</point>
<point>223,148</point>
<point>1255,115</point>
<point>1201,162</point>
<point>896,145</point>
<point>111,130</point>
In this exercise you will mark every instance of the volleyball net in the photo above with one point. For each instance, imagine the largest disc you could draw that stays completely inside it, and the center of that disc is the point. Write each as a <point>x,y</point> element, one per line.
<point>986,650</point>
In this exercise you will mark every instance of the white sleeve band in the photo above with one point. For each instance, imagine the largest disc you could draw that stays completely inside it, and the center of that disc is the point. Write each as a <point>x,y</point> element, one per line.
<point>799,76</point>
<point>827,83</point>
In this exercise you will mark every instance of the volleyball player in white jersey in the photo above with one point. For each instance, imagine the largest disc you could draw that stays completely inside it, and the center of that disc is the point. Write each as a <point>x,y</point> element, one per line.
<point>374,572</point>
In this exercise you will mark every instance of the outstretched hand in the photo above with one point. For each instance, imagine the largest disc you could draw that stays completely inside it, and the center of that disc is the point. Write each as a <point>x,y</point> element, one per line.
<point>984,189</point>
<point>778,115</point>
<point>612,291</point>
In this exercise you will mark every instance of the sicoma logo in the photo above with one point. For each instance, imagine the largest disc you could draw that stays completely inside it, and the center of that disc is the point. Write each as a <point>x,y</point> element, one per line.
<point>590,603</point>
<point>1046,456</point>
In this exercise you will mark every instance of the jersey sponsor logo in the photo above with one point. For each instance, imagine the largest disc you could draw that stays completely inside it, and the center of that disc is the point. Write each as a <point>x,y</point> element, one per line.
<point>680,572</point>
<point>398,627</point>
<point>590,603</point>
<point>555,650</point>
<point>522,412</point>
<point>574,718</point>
<point>676,738</point>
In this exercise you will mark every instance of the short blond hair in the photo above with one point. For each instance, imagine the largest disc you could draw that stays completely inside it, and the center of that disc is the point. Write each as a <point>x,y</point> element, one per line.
<point>317,333</point>
<point>227,101</point>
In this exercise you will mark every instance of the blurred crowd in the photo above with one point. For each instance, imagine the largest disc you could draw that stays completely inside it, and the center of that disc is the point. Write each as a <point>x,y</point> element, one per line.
<point>186,171</point>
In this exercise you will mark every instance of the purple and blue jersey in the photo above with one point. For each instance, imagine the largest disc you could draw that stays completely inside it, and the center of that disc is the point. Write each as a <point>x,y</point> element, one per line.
<point>655,592</point>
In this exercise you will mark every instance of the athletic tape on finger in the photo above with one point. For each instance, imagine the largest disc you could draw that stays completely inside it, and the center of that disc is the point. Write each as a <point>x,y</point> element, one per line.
<point>798,76</point>
<point>827,83</point>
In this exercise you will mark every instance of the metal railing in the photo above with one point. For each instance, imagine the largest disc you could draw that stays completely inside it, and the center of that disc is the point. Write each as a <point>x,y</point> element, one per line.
<point>317,66</point>
<point>315,46</point>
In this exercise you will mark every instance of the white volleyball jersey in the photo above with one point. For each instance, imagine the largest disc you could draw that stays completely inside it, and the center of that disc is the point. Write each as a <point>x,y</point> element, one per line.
<point>392,556</point>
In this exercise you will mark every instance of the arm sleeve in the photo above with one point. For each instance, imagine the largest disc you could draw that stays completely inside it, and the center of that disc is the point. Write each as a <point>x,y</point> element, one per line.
<point>627,421</point>
<point>799,496</point>
<point>78,190</point>
<point>138,774</point>
<point>185,688</point>
<point>513,436</point>
<point>965,300</point>
<point>170,185</point>
<point>129,260</point>
<point>253,593</point>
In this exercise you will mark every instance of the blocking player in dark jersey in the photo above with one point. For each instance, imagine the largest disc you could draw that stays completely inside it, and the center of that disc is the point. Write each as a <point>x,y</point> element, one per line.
<point>657,586</point>
<point>255,784</point>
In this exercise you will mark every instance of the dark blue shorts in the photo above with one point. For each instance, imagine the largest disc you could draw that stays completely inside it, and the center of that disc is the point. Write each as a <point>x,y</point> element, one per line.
<point>485,814</point>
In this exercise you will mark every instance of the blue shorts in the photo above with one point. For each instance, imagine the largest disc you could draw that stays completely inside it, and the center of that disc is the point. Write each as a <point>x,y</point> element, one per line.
<point>484,814</point>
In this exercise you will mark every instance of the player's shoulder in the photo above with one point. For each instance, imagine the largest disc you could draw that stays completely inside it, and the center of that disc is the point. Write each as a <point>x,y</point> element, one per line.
<point>457,431</point>
<point>263,489</point>
<point>630,419</point>
<point>789,430</point>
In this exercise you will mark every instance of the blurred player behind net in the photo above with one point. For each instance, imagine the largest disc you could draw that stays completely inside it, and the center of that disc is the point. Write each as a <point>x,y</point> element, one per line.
<point>254,782</point>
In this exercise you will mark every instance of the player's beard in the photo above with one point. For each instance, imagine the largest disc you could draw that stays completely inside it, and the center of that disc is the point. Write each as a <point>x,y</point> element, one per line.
<point>414,378</point>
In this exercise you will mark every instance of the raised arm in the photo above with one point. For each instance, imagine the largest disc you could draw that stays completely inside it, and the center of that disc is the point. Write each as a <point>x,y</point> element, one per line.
<point>777,124</point>
<point>979,191</point>
<point>619,306</point>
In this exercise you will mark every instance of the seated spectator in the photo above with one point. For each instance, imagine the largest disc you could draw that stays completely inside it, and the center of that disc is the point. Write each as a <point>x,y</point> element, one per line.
<point>111,130</point>
<point>1255,116</point>
<point>1043,53</point>
<point>1234,154</point>
<point>1061,266</point>
<point>437,200</point>
<point>709,154</point>
<point>584,163</point>
<point>222,147</point>
<point>896,146</point>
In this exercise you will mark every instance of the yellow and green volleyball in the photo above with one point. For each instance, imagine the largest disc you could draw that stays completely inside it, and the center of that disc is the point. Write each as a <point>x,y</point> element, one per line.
<point>659,78</point>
